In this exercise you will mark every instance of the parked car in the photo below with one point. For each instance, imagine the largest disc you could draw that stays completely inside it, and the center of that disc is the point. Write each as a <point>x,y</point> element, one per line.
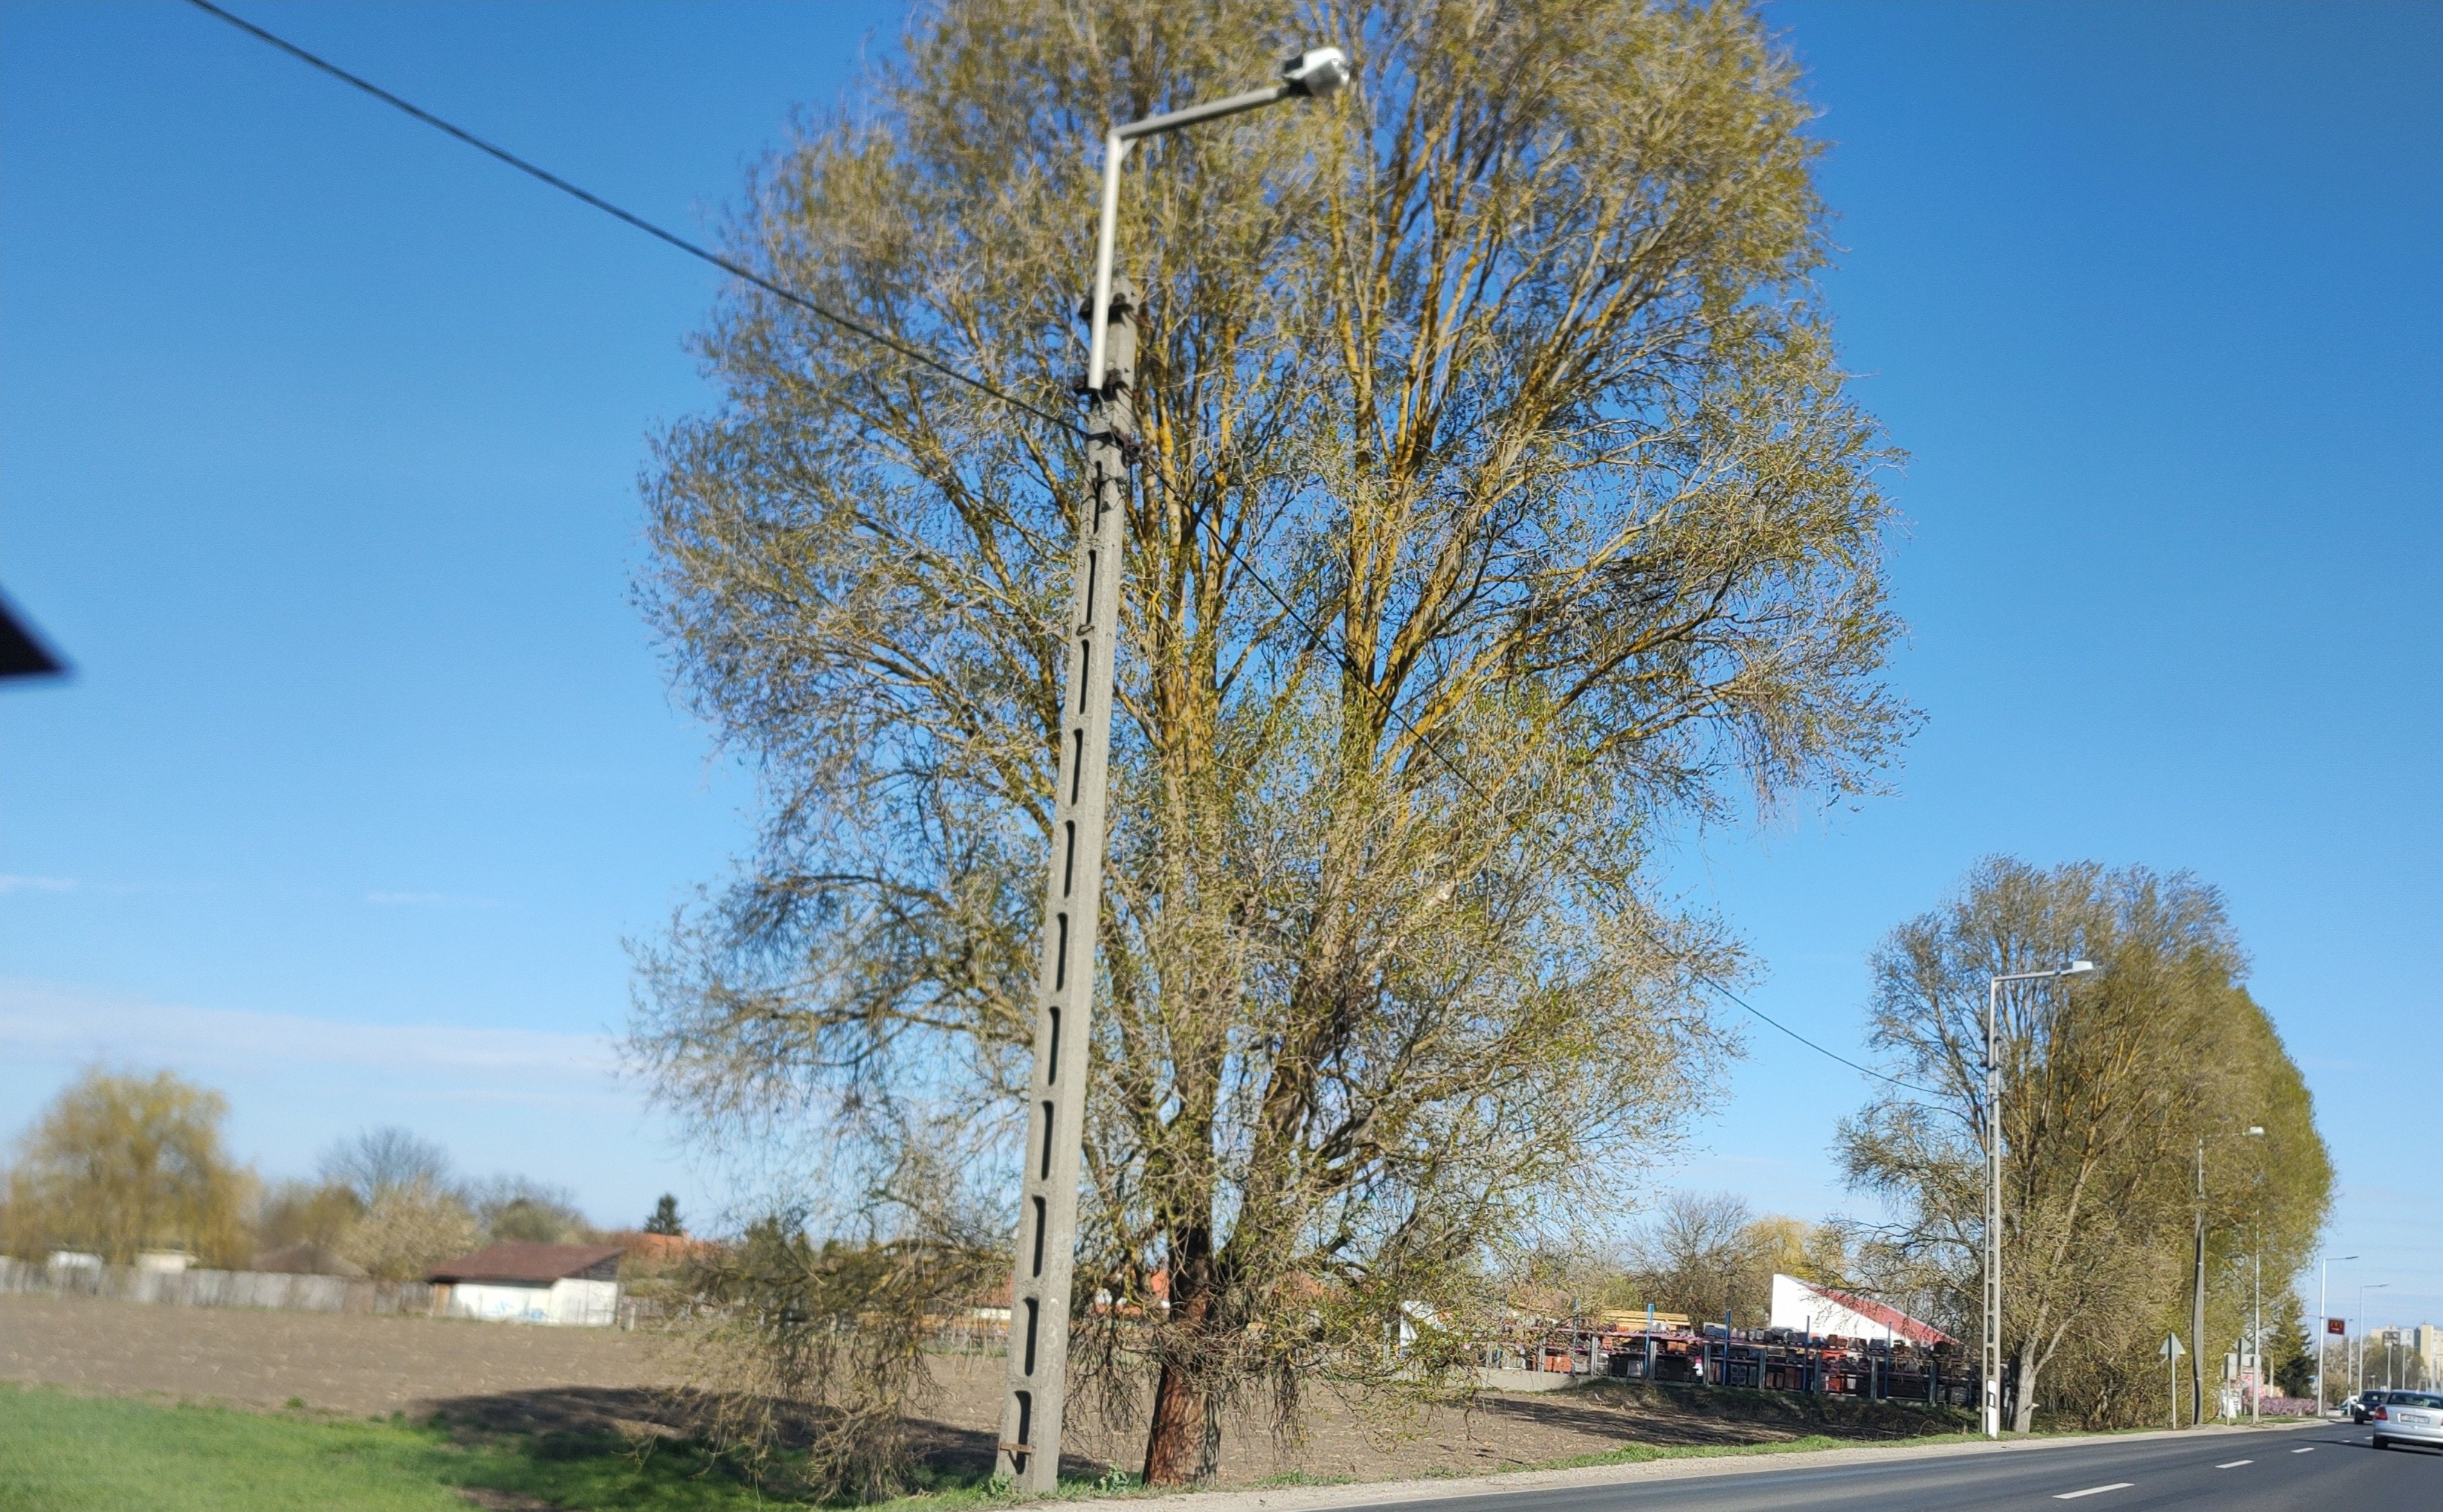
<point>2408,1417</point>
<point>2362,1404</point>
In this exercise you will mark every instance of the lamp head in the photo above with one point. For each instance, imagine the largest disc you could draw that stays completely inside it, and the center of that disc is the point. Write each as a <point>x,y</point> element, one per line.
<point>2077,968</point>
<point>2256,1131</point>
<point>1318,73</point>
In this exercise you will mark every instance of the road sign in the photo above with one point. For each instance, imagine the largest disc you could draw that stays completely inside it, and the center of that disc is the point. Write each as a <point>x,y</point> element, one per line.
<point>2336,1325</point>
<point>2171,1349</point>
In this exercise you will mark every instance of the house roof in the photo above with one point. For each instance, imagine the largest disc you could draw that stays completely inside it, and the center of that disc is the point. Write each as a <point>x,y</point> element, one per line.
<point>1892,1318</point>
<point>534,1265</point>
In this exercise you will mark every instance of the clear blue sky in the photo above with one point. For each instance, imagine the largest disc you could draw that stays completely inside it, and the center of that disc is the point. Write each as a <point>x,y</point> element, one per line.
<point>318,444</point>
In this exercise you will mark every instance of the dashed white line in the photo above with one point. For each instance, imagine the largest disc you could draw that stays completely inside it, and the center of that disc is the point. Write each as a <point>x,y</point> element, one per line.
<point>2309,1449</point>
<point>2094,1490</point>
<point>2232,1465</point>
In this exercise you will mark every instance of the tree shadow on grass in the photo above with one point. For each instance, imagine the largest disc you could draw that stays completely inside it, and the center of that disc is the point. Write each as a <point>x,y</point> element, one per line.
<point>634,1449</point>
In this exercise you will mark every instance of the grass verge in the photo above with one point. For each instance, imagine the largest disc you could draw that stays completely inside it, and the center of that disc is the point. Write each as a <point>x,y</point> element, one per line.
<point>60,1453</point>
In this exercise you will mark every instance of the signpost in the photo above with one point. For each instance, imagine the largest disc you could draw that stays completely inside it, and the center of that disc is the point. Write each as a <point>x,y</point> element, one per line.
<point>2172,1352</point>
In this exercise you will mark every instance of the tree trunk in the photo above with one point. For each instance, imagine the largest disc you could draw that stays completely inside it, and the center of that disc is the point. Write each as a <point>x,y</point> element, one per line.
<point>2023,1410</point>
<point>1175,1446</point>
<point>1175,1442</point>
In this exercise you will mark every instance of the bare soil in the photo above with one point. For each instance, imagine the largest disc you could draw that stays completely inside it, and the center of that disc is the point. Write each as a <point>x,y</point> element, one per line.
<point>512,1377</point>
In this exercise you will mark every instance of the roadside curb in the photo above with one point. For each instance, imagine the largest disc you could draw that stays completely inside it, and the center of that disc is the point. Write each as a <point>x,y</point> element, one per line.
<point>1374,1493</point>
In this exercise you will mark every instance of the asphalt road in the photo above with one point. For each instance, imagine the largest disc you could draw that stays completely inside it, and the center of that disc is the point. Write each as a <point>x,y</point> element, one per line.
<point>2334,1469</point>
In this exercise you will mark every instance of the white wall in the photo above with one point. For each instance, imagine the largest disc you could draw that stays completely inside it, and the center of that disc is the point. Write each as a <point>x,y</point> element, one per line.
<point>585,1304</point>
<point>1796,1305</point>
<point>580,1303</point>
<point>500,1303</point>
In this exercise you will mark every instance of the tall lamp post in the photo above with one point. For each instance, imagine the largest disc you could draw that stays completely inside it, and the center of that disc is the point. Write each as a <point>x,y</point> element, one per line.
<point>2198,1294</point>
<point>1046,1252</point>
<point>2324,1266</point>
<point>1992,1353</point>
<point>2256,1319</point>
<point>2358,1372</point>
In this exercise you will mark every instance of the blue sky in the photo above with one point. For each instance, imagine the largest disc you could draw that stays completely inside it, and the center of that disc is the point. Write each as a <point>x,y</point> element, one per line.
<point>319,436</point>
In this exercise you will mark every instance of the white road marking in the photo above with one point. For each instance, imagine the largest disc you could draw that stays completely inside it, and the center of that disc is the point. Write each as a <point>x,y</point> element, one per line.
<point>2092,1490</point>
<point>2232,1465</point>
<point>2309,1449</point>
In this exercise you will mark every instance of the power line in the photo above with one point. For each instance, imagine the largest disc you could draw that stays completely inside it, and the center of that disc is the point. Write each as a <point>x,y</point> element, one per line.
<point>850,323</point>
<point>926,359</point>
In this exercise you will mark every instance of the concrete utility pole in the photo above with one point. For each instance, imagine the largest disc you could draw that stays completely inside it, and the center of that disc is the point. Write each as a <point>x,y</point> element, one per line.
<point>1046,1252</point>
<point>1047,1239</point>
<point>1991,1387</point>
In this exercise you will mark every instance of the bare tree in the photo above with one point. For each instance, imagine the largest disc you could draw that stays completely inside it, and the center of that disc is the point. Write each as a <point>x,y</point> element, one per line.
<point>1708,1254</point>
<point>1691,1257</point>
<point>374,1161</point>
<point>1500,503</point>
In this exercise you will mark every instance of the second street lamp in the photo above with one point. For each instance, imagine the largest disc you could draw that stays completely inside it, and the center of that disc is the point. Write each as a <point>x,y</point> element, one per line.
<point>2357,1371</point>
<point>2198,1294</point>
<point>2324,1266</point>
<point>1046,1252</point>
<point>1991,1386</point>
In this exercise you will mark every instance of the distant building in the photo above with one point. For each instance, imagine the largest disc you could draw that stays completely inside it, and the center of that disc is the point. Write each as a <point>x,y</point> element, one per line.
<point>163,1263</point>
<point>1803,1306</point>
<point>573,1284</point>
<point>2426,1342</point>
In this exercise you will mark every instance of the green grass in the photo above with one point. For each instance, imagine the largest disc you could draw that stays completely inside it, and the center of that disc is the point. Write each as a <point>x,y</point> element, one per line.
<point>65,1453</point>
<point>60,1453</point>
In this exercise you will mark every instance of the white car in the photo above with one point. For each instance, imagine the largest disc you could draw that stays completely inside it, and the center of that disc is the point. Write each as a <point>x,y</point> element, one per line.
<point>2407,1417</point>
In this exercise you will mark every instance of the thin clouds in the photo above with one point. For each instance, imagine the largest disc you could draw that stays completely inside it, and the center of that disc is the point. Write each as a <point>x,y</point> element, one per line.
<point>14,884</point>
<point>538,1101</point>
<point>429,900</point>
<point>73,1023</point>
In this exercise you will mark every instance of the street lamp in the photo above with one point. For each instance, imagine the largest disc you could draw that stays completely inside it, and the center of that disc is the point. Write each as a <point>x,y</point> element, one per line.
<point>1318,73</point>
<point>1993,1353</point>
<point>1046,1252</point>
<point>2256,1291</point>
<point>2322,1265</point>
<point>2358,1372</point>
<point>2198,1294</point>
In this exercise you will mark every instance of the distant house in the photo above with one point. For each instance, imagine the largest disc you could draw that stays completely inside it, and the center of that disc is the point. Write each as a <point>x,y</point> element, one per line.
<point>576,1284</point>
<point>1828,1312</point>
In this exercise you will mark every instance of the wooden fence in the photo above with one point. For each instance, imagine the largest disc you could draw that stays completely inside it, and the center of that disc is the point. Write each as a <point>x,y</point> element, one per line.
<point>219,1288</point>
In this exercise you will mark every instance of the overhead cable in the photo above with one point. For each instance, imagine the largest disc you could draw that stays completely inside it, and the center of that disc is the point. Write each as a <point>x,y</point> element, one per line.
<point>845,323</point>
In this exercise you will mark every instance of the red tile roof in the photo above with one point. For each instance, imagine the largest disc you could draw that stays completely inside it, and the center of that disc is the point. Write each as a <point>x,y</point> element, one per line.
<point>532,1265</point>
<point>1891,1317</point>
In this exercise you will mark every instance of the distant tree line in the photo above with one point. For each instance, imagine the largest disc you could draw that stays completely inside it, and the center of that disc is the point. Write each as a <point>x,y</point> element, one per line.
<point>119,1164</point>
